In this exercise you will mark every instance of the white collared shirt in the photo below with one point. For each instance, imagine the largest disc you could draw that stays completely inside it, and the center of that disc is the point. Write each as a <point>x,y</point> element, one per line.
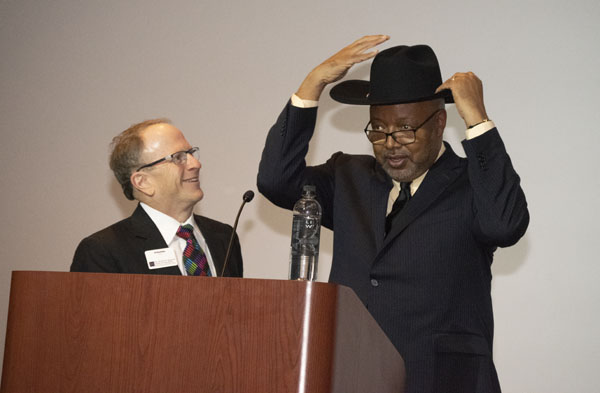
<point>168,226</point>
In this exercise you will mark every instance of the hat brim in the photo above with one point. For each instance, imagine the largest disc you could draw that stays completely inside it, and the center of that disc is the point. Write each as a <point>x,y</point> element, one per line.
<point>356,92</point>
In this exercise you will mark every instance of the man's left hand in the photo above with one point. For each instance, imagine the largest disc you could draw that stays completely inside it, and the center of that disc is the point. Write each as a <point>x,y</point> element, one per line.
<point>467,91</point>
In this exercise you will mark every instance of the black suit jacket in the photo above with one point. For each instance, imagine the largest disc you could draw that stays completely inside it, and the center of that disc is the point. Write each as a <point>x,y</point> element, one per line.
<point>120,247</point>
<point>428,282</point>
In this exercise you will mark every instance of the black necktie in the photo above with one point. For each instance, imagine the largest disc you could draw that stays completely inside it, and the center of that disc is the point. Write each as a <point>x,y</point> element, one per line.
<point>399,203</point>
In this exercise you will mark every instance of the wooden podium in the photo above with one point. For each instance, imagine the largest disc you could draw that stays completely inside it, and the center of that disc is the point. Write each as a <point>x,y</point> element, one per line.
<point>91,332</point>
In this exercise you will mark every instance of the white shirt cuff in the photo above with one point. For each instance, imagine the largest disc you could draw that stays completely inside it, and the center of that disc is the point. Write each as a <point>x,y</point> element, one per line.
<point>300,103</point>
<point>480,129</point>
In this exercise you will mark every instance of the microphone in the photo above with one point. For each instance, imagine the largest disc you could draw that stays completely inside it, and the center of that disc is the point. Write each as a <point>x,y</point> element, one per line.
<point>247,197</point>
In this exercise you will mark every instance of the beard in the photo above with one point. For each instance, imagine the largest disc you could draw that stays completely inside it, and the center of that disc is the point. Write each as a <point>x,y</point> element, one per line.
<point>408,173</point>
<point>404,166</point>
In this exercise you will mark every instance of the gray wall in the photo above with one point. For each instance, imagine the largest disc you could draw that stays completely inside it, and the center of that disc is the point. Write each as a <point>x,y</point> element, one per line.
<point>75,73</point>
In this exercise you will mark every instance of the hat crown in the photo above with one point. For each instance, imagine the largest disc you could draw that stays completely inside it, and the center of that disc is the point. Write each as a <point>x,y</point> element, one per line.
<point>401,74</point>
<point>405,73</point>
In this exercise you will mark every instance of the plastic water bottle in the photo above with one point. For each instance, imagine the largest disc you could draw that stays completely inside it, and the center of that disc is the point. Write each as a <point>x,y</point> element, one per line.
<point>306,232</point>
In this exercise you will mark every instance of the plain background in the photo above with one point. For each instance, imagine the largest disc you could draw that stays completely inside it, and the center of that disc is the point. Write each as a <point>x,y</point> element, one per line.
<point>75,73</point>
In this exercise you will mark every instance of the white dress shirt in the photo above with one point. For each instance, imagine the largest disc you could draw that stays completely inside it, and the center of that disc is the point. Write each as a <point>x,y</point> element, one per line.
<point>168,226</point>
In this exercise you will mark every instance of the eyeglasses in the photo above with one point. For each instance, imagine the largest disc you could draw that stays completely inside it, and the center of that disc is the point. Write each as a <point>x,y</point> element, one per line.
<point>176,158</point>
<point>405,136</point>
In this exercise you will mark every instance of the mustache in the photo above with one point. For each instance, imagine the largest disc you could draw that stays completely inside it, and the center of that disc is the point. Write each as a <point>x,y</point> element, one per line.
<point>397,153</point>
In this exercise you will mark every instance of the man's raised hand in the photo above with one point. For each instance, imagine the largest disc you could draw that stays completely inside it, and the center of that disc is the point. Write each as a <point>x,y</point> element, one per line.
<point>335,67</point>
<point>467,91</point>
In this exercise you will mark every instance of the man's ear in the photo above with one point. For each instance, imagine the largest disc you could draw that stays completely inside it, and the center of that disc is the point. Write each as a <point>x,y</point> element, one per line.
<point>441,121</point>
<point>142,183</point>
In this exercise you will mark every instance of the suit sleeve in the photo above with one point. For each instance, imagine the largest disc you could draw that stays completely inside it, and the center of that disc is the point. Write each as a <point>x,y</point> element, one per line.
<point>283,171</point>
<point>92,256</point>
<point>498,200</point>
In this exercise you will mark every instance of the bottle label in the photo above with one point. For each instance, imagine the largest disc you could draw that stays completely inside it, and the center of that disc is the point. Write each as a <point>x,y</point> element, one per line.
<point>305,235</point>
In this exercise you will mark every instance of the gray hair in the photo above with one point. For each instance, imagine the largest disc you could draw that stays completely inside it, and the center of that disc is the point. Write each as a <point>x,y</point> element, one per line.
<point>126,149</point>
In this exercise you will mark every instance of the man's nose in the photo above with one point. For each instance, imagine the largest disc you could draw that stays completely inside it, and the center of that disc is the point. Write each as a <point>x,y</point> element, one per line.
<point>193,162</point>
<point>390,142</point>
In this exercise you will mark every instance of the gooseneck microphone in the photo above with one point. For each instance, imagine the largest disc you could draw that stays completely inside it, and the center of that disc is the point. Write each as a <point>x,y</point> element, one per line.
<point>248,196</point>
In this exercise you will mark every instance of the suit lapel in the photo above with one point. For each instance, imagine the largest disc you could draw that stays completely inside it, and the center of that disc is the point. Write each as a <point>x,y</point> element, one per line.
<point>146,232</point>
<point>214,243</point>
<point>381,184</point>
<point>443,173</point>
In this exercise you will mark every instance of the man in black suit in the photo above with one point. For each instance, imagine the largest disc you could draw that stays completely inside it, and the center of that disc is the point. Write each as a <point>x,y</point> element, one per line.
<point>415,226</point>
<point>156,165</point>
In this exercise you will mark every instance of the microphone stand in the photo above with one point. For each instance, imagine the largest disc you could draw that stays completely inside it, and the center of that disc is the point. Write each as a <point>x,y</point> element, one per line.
<point>248,195</point>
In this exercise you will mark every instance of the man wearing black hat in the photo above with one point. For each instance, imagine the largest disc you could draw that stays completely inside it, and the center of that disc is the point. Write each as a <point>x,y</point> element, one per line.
<point>416,226</point>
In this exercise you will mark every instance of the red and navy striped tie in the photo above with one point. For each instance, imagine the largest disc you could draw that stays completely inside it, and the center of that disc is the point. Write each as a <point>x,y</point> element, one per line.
<point>194,258</point>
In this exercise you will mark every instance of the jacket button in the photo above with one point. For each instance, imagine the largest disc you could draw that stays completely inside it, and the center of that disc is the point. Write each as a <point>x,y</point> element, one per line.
<point>374,282</point>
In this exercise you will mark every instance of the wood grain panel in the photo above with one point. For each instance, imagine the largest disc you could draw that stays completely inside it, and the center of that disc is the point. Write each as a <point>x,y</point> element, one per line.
<point>81,332</point>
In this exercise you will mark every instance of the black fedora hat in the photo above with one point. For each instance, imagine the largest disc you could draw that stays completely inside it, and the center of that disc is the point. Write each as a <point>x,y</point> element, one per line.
<point>399,75</point>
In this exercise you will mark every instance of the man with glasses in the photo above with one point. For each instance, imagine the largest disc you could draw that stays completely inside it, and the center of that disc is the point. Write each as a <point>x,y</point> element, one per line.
<point>156,165</point>
<point>415,226</point>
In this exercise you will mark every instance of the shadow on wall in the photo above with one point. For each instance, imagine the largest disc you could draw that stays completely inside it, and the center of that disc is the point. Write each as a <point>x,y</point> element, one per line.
<point>277,219</point>
<point>509,260</point>
<point>349,119</point>
<point>125,206</point>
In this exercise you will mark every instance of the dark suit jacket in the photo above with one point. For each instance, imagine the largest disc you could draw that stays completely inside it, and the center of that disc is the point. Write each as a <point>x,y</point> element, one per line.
<point>428,282</point>
<point>120,247</point>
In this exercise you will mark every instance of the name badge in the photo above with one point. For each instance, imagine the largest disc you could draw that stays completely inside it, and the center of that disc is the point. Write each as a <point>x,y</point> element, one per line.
<point>161,257</point>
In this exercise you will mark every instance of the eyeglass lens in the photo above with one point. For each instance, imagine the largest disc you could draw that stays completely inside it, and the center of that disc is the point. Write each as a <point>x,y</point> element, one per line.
<point>181,156</point>
<point>401,137</point>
